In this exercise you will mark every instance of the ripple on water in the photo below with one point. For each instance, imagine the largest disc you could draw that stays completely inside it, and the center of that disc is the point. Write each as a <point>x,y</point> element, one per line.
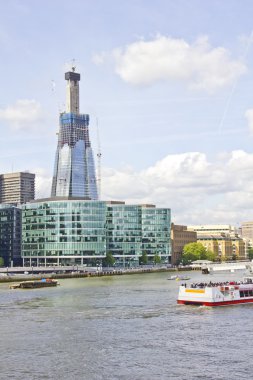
<point>127,328</point>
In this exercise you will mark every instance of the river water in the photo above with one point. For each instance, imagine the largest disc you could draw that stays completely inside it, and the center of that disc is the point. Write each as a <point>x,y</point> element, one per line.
<point>122,327</point>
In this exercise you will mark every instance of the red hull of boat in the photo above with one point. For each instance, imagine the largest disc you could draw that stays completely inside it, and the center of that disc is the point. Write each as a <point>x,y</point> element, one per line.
<point>221,303</point>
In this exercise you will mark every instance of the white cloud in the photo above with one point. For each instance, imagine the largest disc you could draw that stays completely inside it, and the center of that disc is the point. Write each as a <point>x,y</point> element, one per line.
<point>43,182</point>
<point>169,59</point>
<point>23,115</point>
<point>197,191</point>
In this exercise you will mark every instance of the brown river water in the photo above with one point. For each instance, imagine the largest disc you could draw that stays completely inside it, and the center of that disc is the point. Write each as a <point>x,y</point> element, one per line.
<point>122,327</point>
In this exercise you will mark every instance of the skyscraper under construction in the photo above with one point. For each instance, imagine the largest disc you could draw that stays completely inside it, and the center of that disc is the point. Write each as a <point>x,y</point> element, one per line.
<point>74,170</point>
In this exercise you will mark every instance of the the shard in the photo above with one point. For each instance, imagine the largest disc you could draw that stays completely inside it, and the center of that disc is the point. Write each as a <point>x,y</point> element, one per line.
<point>74,170</point>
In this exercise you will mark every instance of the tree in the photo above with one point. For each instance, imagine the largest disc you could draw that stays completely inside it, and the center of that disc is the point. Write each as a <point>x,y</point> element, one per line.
<point>196,251</point>
<point>250,253</point>
<point>1,261</point>
<point>234,257</point>
<point>157,258</point>
<point>109,260</point>
<point>143,259</point>
<point>211,256</point>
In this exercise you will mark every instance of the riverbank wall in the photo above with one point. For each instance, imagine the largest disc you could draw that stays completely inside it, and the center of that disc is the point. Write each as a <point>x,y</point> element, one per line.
<point>100,273</point>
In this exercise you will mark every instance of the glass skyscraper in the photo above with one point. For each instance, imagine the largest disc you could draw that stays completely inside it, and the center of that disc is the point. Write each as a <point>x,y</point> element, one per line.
<point>74,170</point>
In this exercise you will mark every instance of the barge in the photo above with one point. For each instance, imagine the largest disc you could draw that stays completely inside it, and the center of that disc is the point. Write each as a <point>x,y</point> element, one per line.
<point>216,294</point>
<point>34,284</point>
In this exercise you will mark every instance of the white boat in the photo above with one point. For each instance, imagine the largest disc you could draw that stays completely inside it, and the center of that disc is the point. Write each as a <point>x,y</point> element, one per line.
<point>179,278</point>
<point>216,294</point>
<point>172,278</point>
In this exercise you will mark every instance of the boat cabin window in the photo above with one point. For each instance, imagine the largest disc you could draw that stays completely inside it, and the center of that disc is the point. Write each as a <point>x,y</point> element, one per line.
<point>246,293</point>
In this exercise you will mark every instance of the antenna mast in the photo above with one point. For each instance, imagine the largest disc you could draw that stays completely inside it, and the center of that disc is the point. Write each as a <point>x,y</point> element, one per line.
<point>99,155</point>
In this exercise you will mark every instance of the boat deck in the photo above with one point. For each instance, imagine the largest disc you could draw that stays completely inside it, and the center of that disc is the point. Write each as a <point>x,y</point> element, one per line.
<point>216,293</point>
<point>34,284</point>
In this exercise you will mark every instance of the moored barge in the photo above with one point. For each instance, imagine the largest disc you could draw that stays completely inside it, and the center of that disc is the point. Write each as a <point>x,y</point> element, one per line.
<point>34,284</point>
<point>216,294</point>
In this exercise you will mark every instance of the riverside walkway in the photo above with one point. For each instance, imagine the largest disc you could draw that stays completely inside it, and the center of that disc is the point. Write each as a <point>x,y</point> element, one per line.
<point>35,273</point>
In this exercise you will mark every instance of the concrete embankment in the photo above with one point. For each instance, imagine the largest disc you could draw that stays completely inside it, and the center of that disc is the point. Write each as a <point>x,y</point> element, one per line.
<point>103,273</point>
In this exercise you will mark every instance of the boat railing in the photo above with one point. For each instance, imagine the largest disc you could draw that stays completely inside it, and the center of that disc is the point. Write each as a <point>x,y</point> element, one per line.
<point>202,285</point>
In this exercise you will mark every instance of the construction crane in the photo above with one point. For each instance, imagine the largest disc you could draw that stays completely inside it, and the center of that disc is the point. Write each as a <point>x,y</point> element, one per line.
<point>53,89</point>
<point>99,155</point>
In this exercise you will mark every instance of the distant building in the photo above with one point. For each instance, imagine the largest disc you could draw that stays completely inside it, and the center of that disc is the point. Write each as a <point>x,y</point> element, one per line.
<point>74,170</point>
<point>10,235</point>
<point>247,230</point>
<point>180,236</point>
<point>222,239</point>
<point>214,229</point>
<point>17,188</point>
<point>77,231</point>
<point>224,246</point>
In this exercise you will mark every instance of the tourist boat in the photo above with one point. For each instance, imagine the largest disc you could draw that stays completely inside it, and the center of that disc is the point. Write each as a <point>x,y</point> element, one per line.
<point>34,284</point>
<point>216,294</point>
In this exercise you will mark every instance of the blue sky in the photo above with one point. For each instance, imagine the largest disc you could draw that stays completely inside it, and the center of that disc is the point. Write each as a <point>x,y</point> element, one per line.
<point>170,83</point>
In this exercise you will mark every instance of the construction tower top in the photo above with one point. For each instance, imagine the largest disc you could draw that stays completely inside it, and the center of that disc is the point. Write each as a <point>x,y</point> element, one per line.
<point>72,96</point>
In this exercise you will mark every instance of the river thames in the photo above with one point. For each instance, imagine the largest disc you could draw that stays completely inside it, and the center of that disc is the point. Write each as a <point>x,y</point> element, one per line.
<point>122,327</point>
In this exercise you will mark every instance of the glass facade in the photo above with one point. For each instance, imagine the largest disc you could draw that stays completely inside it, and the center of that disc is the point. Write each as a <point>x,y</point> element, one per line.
<point>10,235</point>
<point>63,232</point>
<point>156,231</point>
<point>123,231</point>
<point>69,232</point>
<point>74,170</point>
<point>134,229</point>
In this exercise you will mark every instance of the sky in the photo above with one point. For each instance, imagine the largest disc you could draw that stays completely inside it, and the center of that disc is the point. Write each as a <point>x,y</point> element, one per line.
<point>168,86</point>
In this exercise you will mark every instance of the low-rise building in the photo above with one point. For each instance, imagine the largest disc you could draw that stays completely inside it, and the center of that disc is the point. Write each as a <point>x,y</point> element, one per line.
<point>225,247</point>
<point>222,239</point>
<point>78,231</point>
<point>213,229</point>
<point>180,236</point>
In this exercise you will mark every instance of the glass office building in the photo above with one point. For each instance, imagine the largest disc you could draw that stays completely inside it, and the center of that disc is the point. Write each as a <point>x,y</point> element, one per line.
<point>123,231</point>
<point>63,232</point>
<point>155,226</point>
<point>134,229</point>
<point>74,170</point>
<point>10,235</point>
<point>80,232</point>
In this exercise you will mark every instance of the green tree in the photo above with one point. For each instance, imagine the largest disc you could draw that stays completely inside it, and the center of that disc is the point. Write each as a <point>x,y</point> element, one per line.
<point>250,253</point>
<point>143,259</point>
<point>234,257</point>
<point>1,261</point>
<point>196,251</point>
<point>211,256</point>
<point>109,260</point>
<point>157,259</point>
